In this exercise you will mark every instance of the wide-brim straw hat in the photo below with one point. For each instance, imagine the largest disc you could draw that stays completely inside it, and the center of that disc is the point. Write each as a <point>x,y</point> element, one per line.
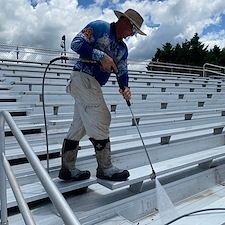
<point>134,17</point>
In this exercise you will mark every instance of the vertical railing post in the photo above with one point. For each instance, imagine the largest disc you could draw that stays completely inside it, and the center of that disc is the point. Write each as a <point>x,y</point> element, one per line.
<point>3,196</point>
<point>204,70</point>
<point>21,202</point>
<point>17,52</point>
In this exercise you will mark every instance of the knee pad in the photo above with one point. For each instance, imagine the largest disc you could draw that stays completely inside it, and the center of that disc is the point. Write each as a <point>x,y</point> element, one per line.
<point>69,145</point>
<point>99,144</point>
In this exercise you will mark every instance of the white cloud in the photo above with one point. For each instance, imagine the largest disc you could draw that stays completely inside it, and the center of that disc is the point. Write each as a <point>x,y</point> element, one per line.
<point>100,2</point>
<point>44,25</point>
<point>212,39</point>
<point>179,20</point>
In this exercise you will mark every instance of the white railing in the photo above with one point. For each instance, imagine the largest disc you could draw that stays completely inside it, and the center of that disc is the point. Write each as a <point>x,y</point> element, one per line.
<point>54,194</point>
<point>173,68</point>
<point>31,53</point>
<point>205,70</point>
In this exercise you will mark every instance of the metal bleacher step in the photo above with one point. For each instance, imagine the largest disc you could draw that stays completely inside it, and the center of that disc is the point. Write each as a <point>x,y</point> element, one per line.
<point>26,129</point>
<point>5,87</point>
<point>120,142</point>
<point>209,202</point>
<point>138,175</point>
<point>143,105</point>
<point>9,98</point>
<point>35,191</point>
<point>17,153</point>
<point>116,220</point>
<point>186,114</point>
<point>35,76</point>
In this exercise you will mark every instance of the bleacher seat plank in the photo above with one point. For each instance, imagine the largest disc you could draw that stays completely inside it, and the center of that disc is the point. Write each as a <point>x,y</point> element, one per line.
<point>138,175</point>
<point>5,87</point>
<point>37,83</point>
<point>35,69</point>
<point>170,132</point>
<point>175,83</point>
<point>165,73</point>
<point>133,139</point>
<point>27,127</point>
<point>35,76</point>
<point>121,116</point>
<point>174,78</point>
<point>9,98</point>
<point>35,191</point>
<point>39,150</point>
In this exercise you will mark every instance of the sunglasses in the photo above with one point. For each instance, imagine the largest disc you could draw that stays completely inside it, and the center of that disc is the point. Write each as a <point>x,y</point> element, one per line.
<point>134,28</point>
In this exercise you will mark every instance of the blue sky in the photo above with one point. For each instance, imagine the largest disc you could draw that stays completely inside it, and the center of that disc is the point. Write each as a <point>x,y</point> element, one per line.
<point>216,27</point>
<point>86,3</point>
<point>106,4</point>
<point>42,23</point>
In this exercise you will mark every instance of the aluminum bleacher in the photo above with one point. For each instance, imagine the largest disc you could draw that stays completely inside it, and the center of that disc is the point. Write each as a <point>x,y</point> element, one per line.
<point>180,116</point>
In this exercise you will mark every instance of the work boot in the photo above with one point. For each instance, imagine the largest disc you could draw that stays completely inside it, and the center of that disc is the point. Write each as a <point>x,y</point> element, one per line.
<point>105,169</point>
<point>69,156</point>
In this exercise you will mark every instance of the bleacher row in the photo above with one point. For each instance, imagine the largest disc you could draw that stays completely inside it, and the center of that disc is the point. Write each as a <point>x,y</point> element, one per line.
<point>180,116</point>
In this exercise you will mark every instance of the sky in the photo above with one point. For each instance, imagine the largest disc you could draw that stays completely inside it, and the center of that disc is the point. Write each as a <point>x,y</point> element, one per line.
<point>42,23</point>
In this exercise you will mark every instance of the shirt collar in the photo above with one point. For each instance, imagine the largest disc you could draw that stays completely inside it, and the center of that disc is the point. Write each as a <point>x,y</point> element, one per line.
<point>113,31</point>
<point>113,28</point>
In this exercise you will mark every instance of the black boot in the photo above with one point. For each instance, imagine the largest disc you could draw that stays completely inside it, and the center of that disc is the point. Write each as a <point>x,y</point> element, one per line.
<point>105,168</point>
<point>69,156</point>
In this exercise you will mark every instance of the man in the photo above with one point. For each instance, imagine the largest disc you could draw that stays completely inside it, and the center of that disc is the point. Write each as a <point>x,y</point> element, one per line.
<point>102,50</point>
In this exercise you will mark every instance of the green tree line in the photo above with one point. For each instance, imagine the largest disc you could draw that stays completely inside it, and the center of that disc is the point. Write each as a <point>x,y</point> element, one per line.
<point>191,52</point>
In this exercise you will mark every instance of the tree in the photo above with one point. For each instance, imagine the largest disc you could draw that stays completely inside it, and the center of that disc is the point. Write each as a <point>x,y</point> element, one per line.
<point>213,55</point>
<point>197,51</point>
<point>222,58</point>
<point>191,52</point>
<point>166,53</point>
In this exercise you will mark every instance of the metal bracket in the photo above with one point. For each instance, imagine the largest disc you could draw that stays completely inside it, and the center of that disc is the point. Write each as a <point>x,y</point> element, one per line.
<point>188,116</point>
<point>218,130</point>
<point>164,105</point>
<point>136,188</point>
<point>165,140</point>
<point>205,165</point>
<point>137,120</point>
<point>55,110</point>
<point>113,108</point>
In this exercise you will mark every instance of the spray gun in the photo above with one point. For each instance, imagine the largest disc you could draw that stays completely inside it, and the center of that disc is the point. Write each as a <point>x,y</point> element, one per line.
<point>121,85</point>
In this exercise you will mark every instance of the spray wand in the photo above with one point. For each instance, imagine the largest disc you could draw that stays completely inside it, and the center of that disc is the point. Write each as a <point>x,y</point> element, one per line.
<point>121,85</point>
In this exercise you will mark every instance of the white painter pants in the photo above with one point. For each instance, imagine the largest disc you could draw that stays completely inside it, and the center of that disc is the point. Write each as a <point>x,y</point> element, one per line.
<point>91,115</point>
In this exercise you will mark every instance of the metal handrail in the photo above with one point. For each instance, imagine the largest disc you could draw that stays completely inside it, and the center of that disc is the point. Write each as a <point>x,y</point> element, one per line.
<point>24,209</point>
<point>212,71</point>
<point>54,194</point>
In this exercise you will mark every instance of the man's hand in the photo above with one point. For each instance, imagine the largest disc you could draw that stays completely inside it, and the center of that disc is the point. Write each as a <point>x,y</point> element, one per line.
<point>108,63</point>
<point>126,93</point>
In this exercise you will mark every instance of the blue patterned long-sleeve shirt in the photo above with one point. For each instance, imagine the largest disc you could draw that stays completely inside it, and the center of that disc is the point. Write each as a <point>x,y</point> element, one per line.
<point>93,42</point>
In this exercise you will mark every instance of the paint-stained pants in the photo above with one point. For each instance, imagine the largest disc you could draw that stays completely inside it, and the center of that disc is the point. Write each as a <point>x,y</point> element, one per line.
<point>91,115</point>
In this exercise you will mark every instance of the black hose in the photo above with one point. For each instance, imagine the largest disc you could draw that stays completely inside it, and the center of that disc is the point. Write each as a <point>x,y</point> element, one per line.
<point>43,99</point>
<point>197,211</point>
<point>43,105</point>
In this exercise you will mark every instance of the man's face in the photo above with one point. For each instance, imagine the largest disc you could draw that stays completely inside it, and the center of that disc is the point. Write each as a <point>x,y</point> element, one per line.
<point>127,29</point>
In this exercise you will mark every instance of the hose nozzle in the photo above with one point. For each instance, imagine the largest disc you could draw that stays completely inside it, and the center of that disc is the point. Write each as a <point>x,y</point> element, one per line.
<point>153,175</point>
